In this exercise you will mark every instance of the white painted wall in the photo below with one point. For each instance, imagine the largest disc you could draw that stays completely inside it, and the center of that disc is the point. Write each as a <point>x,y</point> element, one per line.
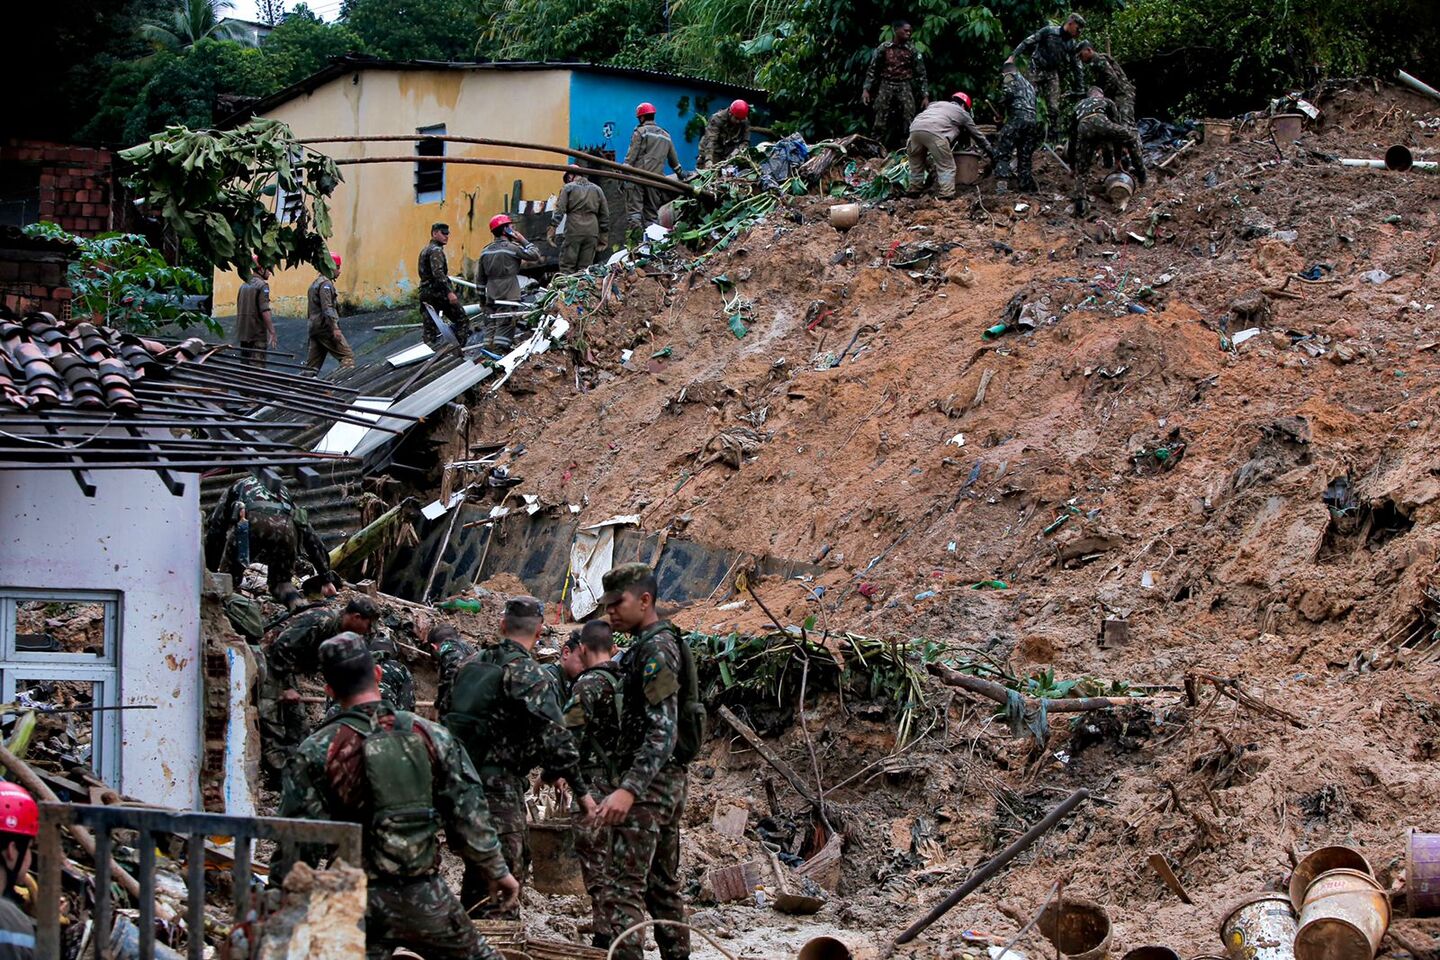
<point>133,536</point>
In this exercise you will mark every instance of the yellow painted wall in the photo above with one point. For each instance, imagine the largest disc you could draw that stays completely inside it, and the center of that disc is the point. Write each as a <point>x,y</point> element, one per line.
<point>379,228</point>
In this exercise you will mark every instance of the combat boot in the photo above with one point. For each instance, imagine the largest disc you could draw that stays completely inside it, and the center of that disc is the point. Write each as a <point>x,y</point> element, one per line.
<point>1140,174</point>
<point>1028,185</point>
<point>1082,206</point>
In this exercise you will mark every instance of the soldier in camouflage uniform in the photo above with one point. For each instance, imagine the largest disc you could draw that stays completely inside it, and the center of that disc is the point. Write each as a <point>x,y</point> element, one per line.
<point>645,808</point>
<point>498,273</point>
<point>896,69</point>
<point>294,651</point>
<point>1110,78</point>
<point>1053,56</point>
<point>593,714</point>
<point>437,291</point>
<point>650,149</point>
<point>450,650</point>
<point>1098,124</point>
<point>374,765</point>
<point>585,211</point>
<point>278,530</point>
<point>1020,134</point>
<point>323,314</point>
<point>727,131</point>
<point>564,671</point>
<point>504,710</point>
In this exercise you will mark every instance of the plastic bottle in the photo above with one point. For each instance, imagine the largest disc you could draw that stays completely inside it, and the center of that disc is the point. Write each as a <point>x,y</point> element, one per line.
<point>470,606</point>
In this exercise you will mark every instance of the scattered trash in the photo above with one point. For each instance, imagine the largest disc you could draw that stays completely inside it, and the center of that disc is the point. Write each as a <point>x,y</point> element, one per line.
<point>843,216</point>
<point>1321,861</point>
<point>925,595</point>
<point>1422,873</point>
<point>729,821</point>
<point>990,585</point>
<point>867,590</point>
<point>1376,276</point>
<point>1244,335</point>
<point>1148,579</point>
<point>958,440</point>
<point>1260,927</point>
<point>1345,917</point>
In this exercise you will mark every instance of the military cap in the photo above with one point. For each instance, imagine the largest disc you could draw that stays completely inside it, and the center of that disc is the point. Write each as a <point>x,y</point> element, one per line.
<point>344,650</point>
<point>1008,67</point>
<point>442,227</point>
<point>1077,19</point>
<point>523,607</point>
<point>1085,44</point>
<point>363,606</point>
<point>621,578</point>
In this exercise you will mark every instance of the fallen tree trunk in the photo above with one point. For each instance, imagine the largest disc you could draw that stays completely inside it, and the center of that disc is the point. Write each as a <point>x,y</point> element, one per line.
<point>1001,694</point>
<point>367,540</point>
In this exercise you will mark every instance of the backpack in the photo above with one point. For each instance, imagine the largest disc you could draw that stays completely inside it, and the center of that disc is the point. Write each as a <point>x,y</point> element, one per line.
<point>588,740</point>
<point>692,723</point>
<point>478,701</point>
<point>400,839</point>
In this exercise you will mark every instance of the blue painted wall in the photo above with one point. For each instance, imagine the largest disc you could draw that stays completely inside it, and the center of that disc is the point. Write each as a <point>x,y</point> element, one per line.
<point>602,111</point>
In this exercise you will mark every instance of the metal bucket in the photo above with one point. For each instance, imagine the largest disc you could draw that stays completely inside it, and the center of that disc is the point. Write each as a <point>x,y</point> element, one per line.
<point>1286,126</point>
<point>1083,930</point>
<point>1151,953</point>
<point>1346,914</point>
<point>824,948</point>
<point>1218,131</point>
<point>1422,873</point>
<point>843,216</point>
<point>1119,188</point>
<point>1323,861</point>
<point>555,867</point>
<point>1259,927</point>
<point>967,168</point>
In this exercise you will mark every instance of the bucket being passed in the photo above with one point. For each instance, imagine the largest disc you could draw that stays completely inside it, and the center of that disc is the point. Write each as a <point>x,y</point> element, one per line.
<point>555,867</point>
<point>1259,927</point>
<point>1321,861</point>
<point>824,948</point>
<point>1081,930</point>
<point>1286,126</point>
<point>967,168</point>
<point>1422,873</point>
<point>1346,914</point>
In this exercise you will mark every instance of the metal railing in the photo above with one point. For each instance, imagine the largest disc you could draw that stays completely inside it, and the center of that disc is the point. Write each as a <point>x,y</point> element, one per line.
<point>148,822</point>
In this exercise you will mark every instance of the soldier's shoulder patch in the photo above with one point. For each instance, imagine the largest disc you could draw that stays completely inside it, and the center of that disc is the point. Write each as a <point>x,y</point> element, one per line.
<point>660,681</point>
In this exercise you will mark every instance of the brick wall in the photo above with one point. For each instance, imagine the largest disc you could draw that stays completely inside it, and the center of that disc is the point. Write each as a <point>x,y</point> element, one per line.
<point>33,280</point>
<point>77,184</point>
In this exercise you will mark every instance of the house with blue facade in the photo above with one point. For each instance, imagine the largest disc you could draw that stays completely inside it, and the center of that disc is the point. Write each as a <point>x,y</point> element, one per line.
<point>383,211</point>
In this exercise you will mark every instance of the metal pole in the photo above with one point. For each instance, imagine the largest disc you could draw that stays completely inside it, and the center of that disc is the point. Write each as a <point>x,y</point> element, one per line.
<point>674,186</point>
<point>1416,84</point>
<point>195,881</point>
<point>992,866</point>
<point>488,142</point>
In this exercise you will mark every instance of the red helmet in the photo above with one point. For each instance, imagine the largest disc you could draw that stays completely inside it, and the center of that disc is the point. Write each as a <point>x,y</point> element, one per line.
<point>18,813</point>
<point>646,109</point>
<point>498,221</point>
<point>739,109</point>
<point>962,96</point>
<point>336,258</point>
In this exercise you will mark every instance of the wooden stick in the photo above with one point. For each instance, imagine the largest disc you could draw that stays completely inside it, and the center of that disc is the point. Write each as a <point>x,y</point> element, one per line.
<point>1162,867</point>
<point>770,757</point>
<point>84,837</point>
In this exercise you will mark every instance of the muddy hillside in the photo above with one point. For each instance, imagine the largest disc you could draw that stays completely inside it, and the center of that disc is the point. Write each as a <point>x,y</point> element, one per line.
<point>1186,450</point>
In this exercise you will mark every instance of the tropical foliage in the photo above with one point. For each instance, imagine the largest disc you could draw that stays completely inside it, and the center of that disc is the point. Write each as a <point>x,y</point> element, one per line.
<point>120,280</point>
<point>191,21</point>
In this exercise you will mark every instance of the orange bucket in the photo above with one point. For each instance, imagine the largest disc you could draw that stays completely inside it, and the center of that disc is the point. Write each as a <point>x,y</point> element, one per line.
<point>1321,861</point>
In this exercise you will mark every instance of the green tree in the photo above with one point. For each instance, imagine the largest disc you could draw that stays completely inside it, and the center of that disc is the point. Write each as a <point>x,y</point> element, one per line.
<point>302,43</point>
<point>181,87</point>
<point>189,22</point>
<point>415,29</point>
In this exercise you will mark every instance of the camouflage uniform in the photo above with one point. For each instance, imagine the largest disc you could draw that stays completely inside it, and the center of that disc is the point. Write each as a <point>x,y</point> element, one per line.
<point>325,336</point>
<point>435,289</point>
<point>251,302</point>
<point>644,868</point>
<point>279,529</point>
<point>529,732</point>
<point>451,652</point>
<point>895,71</point>
<point>724,135</point>
<point>1098,124</point>
<point>650,149</point>
<point>1111,79</point>
<point>1052,53</point>
<point>499,273</point>
<point>1020,134</point>
<point>418,912</point>
<point>556,672</point>
<point>593,714</point>
<point>933,136</point>
<point>586,214</point>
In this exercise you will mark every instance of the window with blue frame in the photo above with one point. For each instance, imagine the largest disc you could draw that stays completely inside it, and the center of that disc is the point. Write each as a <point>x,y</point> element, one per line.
<point>430,176</point>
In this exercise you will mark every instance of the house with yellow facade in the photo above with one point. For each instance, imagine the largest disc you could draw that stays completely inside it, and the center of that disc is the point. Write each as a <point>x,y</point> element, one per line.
<point>382,212</point>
